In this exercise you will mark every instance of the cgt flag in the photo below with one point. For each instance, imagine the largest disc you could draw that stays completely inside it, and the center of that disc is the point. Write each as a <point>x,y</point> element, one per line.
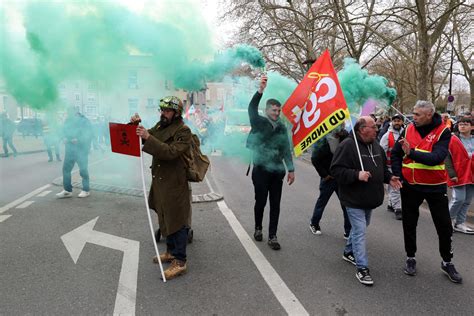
<point>124,139</point>
<point>316,106</point>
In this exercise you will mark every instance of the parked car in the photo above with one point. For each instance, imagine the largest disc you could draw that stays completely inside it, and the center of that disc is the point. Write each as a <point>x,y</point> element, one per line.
<point>30,126</point>
<point>237,122</point>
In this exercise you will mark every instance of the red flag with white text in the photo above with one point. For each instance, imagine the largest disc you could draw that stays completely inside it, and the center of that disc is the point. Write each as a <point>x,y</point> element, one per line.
<point>317,105</point>
<point>124,139</point>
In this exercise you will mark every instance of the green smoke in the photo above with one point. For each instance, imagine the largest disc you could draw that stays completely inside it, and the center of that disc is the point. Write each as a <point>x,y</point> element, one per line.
<point>92,40</point>
<point>358,86</point>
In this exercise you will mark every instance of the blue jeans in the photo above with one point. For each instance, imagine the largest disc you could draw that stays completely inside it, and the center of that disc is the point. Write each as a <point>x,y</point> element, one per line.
<point>460,202</point>
<point>356,244</point>
<point>71,158</point>
<point>176,243</point>
<point>326,189</point>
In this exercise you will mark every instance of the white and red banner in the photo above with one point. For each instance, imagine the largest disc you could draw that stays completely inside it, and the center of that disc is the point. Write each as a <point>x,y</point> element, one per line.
<point>316,106</point>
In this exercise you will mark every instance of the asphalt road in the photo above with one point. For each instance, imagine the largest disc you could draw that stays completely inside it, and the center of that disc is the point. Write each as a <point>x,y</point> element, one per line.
<point>229,273</point>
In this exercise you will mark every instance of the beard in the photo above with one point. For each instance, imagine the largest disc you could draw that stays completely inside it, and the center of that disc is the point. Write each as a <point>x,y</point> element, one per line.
<point>164,121</point>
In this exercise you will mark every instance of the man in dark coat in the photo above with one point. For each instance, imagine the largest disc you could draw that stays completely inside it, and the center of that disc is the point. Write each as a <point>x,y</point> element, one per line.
<point>321,158</point>
<point>168,141</point>
<point>269,142</point>
<point>361,189</point>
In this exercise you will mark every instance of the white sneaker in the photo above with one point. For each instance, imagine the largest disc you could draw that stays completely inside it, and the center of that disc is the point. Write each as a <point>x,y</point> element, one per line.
<point>462,228</point>
<point>84,194</point>
<point>64,194</point>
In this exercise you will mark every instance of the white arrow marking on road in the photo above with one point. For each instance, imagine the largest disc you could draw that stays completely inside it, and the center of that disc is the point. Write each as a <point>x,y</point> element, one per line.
<point>127,289</point>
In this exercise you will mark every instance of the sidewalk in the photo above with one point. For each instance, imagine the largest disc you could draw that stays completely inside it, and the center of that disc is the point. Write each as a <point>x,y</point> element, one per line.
<point>27,144</point>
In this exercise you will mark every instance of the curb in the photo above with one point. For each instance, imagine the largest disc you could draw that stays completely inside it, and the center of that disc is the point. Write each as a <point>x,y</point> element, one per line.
<point>197,198</point>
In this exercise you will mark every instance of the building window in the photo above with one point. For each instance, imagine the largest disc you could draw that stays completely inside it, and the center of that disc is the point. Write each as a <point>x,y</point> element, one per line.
<point>132,106</point>
<point>91,110</point>
<point>91,100</point>
<point>91,86</point>
<point>78,97</point>
<point>150,103</point>
<point>167,87</point>
<point>132,79</point>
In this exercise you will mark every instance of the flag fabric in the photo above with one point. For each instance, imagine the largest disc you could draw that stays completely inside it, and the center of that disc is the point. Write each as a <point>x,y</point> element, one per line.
<point>124,139</point>
<point>317,105</point>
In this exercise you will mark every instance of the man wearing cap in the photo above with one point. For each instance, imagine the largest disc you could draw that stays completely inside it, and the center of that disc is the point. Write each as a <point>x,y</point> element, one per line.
<point>168,141</point>
<point>387,142</point>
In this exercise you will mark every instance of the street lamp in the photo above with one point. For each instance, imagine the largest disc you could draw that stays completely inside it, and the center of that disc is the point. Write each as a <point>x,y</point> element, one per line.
<point>450,105</point>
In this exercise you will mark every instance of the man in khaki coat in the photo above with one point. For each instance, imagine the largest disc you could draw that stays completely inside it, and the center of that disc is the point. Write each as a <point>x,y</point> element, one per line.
<point>167,142</point>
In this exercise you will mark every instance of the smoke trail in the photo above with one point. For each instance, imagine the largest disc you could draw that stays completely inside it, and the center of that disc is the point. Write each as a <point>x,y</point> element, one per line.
<point>92,40</point>
<point>358,86</point>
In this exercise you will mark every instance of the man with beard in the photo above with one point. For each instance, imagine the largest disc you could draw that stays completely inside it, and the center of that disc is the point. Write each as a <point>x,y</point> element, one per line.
<point>361,189</point>
<point>168,141</point>
<point>419,158</point>
<point>387,142</point>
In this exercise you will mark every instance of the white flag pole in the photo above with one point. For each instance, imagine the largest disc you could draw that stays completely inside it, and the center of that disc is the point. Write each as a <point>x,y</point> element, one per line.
<point>357,145</point>
<point>149,214</point>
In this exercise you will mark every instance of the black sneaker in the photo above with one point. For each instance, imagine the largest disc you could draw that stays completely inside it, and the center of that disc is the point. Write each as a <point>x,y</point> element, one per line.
<point>349,257</point>
<point>390,208</point>
<point>451,272</point>
<point>315,229</point>
<point>258,235</point>
<point>364,277</point>
<point>398,214</point>
<point>346,236</point>
<point>273,243</point>
<point>410,267</point>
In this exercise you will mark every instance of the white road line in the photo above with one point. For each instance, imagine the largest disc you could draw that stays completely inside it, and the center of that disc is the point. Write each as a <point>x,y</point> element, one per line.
<point>4,217</point>
<point>25,204</point>
<point>44,193</point>
<point>23,198</point>
<point>287,299</point>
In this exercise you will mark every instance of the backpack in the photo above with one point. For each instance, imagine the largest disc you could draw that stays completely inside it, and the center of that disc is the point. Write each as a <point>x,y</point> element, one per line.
<point>195,161</point>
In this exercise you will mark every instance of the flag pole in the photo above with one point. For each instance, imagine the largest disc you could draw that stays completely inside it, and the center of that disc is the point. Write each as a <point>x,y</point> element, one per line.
<point>357,145</point>
<point>149,213</point>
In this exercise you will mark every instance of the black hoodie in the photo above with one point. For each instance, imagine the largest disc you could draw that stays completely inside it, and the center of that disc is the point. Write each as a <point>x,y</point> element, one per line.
<point>345,168</point>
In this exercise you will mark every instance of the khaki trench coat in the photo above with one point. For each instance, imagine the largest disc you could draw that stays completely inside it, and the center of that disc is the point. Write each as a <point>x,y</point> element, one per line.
<point>170,191</point>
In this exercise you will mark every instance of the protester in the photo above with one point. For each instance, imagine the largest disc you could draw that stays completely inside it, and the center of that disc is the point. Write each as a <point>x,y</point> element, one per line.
<point>7,128</point>
<point>52,138</point>
<point>419,158</point>
<point>77,138</point>
<point>168,141</point>
<point>460,175</point>
<point>387,142</point>
<point>268,139</point>
<point>361,189</point>
<point>321,158</point>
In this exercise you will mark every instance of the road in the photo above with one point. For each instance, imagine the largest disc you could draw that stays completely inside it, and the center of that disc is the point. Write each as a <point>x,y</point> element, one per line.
<point>229,273</point>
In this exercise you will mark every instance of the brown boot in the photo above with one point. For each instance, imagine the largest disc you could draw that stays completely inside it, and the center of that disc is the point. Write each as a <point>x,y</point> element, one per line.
<point>176,268</point>
<point>164,257</point>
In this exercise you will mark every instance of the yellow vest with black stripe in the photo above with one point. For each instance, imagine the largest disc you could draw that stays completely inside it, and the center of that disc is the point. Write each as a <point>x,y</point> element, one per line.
<point>418,173</point>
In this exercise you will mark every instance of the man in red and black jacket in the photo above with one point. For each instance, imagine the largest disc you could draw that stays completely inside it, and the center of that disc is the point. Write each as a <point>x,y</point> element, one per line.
<point>418,158</point>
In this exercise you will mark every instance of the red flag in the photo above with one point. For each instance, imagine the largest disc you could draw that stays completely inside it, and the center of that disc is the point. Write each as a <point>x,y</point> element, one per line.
<point>316,106</point>
<point>124,139</point>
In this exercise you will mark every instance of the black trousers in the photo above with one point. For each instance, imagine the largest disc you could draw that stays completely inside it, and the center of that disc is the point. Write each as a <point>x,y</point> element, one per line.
<point>438,204</point>
<point>267,184</point>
